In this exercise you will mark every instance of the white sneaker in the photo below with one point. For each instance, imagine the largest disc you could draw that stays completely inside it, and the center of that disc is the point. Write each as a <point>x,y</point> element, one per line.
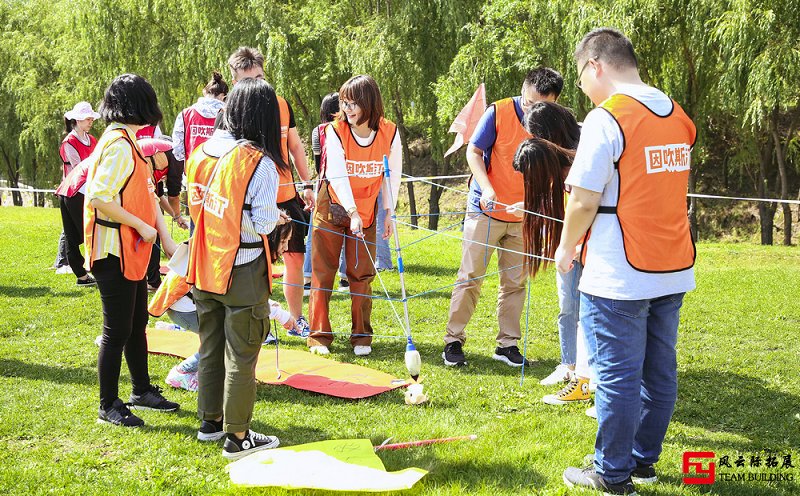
<point>562,373</point>
<point>592,386</point>
<point>362,350</point>
<point>98,340</point>
<point>592,412</point>
<point>320,350</point>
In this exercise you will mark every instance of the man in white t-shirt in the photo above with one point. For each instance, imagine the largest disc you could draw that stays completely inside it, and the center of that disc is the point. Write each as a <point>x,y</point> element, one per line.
<point>629,183</point>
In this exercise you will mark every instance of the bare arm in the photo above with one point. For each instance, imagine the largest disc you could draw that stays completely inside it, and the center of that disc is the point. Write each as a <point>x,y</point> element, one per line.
<point>581,211</point>
<point>298,153</point>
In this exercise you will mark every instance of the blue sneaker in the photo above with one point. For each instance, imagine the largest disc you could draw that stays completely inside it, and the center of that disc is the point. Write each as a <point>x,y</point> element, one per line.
<point>301,328</point>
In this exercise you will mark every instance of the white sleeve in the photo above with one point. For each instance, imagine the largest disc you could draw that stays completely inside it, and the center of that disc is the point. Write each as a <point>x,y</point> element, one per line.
<point>335,169</point>
<point>278,313</point>
<point>157,132</point>
<point>600,146</point>
<point>395,172</point>
<point>177,138</point>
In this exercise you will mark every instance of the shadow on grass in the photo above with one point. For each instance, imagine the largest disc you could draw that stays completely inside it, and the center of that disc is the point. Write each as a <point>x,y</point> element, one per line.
<point>726,401</point>
<point>34,292</point>
<point>37,371</point>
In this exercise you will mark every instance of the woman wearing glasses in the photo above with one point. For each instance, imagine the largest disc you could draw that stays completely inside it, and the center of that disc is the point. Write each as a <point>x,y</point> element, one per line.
<point>347,205</point>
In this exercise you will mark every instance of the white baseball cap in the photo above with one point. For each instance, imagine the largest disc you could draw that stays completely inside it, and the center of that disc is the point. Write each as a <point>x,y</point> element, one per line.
<point>81,111</point>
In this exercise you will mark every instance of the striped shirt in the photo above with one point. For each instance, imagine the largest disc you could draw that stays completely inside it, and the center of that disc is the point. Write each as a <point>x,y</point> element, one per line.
<point>114,168</point>
<point>262,194</point>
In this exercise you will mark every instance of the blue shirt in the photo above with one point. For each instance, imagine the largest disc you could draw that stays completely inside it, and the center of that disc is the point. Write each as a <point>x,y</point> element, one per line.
<point>484,138</point>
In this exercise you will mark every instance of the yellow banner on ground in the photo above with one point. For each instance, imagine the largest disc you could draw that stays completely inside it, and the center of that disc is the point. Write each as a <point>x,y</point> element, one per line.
<point>336,465</point>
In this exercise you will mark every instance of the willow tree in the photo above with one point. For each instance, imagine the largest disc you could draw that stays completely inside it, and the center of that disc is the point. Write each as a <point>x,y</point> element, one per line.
<point>759,42</point>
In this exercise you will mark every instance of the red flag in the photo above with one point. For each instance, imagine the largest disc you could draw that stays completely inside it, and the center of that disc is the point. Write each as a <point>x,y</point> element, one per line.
<point>467,119</point>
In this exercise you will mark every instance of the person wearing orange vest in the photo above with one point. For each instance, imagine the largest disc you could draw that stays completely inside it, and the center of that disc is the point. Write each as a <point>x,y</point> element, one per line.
<point>347,204</point>
<point>629,183</point>
<point>77,145</point>
<point>494,186</point>
<point>248,62</point>
<point>544,162</point>
<point>174,297</point>
<point>232,187</point>
<point>121,221</point>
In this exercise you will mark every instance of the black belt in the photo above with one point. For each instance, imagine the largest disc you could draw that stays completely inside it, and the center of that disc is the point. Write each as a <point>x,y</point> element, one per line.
<point>108,223</point>
<point>251,244</point>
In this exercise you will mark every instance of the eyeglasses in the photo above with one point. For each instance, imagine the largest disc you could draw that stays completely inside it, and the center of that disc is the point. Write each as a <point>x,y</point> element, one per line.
<point>347,105</point>
<point>578,81</point>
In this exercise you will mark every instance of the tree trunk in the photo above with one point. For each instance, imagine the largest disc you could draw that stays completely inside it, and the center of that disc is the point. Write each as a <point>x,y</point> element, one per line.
<point>780,155</point>
<point>766,211</point>
<point>12,169</point>
<point>436,195</point>
<point>401,127</point>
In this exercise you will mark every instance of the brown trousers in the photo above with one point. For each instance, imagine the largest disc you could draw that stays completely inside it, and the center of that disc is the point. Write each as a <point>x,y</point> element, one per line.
<point>474,259</point>
<point>326,245</point>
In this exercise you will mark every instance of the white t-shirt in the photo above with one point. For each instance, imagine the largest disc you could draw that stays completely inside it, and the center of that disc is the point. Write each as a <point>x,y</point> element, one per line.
<point>607,273</point>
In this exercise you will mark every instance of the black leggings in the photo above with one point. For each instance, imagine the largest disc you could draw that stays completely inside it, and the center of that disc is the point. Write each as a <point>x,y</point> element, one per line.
<point>72,219</point>
<point>124,323</point>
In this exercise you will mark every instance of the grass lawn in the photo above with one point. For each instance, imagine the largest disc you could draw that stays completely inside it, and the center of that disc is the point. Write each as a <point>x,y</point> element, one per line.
<point>738,366</point>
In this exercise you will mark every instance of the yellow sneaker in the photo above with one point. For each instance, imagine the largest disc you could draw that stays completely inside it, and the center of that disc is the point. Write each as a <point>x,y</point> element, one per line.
<point>576,390</point>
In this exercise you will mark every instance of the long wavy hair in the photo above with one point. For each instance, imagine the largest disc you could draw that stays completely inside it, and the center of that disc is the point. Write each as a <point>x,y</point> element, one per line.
<point>544,165</point>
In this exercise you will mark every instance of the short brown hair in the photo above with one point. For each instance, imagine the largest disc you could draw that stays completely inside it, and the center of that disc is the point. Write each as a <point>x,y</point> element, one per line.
<point>608,45</point>
<point>364,91</point>
<point>245,58</point>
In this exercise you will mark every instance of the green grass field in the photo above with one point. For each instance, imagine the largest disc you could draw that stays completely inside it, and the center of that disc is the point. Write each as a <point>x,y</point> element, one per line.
<point>738,361</point>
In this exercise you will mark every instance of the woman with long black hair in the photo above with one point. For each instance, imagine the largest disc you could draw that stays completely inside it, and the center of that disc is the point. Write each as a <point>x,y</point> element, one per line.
<point>544,162</point>
<point>233,184</point>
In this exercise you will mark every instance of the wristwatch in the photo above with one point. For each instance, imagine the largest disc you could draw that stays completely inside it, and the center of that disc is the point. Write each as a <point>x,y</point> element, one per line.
<point>351,211</point>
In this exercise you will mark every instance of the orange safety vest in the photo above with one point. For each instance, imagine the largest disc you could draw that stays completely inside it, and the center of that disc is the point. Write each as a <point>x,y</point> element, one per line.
<point>653,174</point>
<point>136,198</point>
<point>364,166</point>
<point>171,290</point>
<point>217,189</point>
<point>508,184</point>
<point>286,189</point>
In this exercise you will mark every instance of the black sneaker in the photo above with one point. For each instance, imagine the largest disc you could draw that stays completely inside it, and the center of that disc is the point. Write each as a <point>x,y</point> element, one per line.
<point>453,355</point>
<point>344,285</point>
<point>589,479</point>
<point>152,400</point>
<point>510,355</point>
<point>233,449</point>
<point>210,430</point>
<point>118,414</point>
<point>644,474</point>
<point>307,289</point>
<point>89,281</point>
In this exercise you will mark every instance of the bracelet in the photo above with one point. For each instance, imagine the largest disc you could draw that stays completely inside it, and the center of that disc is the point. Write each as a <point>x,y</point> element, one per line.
<point>308,186</point>
<point>351,211</point>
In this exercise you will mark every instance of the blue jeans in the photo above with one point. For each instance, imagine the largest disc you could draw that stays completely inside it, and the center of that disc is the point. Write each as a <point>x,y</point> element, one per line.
<point>632,352</point>
<point>569,300</point>
<point>383,259</point>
